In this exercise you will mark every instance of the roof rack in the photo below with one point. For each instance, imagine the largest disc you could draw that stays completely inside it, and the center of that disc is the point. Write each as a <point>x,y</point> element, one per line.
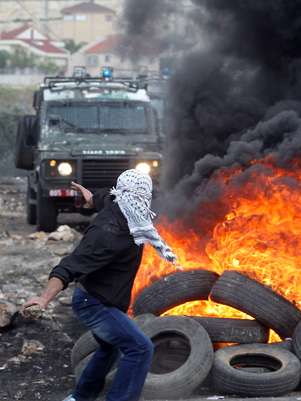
<point>127,82</point>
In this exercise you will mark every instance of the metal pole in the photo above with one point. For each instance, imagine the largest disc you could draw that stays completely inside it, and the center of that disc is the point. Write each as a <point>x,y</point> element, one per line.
<point>46,12</point>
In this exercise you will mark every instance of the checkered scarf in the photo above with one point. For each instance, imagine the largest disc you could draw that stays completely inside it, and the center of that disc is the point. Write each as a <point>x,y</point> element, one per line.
<point>133,193</point>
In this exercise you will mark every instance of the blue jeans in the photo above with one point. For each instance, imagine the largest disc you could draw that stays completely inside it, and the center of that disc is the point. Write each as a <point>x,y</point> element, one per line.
<point>115,332</point>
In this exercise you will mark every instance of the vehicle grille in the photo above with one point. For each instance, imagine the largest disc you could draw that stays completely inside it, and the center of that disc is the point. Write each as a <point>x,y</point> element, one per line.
<point>102,173</point>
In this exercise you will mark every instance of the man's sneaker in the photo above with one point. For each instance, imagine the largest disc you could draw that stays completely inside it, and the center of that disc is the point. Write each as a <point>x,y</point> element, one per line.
<point>70,398</point>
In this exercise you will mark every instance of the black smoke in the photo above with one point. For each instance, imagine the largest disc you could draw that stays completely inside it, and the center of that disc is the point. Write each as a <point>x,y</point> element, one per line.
<point>278,138</point>
<point>234,100</point>
<point>256,46</point>
<point>144,17</point>
<point>265,31</point>
<point>213,101</point>
<point>146,26</point>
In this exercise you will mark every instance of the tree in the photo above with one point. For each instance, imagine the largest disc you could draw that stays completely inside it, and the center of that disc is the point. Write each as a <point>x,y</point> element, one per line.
<point>20,58</point>
<point>72,46</point>
<point>48,67</point>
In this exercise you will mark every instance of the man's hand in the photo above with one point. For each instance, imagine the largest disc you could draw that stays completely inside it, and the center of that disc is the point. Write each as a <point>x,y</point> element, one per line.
<point>54,286</point>
<point>87,195</point>
<point>172,258</point>
<point>40,301</point>
<point>33,308</point>
<point>178,266</point>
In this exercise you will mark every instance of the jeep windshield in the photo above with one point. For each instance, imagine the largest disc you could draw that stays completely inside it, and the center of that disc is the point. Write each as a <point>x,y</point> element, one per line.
<point>107,118</point>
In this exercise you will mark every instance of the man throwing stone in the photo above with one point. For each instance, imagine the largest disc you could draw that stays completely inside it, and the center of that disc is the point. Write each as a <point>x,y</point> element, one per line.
<point>104,266</point>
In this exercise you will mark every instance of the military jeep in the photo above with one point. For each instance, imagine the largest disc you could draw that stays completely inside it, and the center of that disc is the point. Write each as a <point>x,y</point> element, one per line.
<point>88,130</point>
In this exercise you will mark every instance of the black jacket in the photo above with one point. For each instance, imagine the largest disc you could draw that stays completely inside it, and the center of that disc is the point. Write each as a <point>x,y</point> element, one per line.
<point>106,260</point>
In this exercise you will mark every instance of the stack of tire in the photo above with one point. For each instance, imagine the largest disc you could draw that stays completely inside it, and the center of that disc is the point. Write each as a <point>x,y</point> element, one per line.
<point>185,362</point>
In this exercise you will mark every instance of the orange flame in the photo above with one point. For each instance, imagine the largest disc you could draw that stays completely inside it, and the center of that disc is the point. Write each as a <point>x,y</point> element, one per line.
<point>259,234</point>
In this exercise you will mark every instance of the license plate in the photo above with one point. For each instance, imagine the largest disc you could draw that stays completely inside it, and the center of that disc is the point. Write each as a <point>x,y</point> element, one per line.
<point>62,193</point>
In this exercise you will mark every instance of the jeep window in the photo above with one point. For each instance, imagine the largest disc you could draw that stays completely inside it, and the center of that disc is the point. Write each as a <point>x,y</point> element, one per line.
<point>122,117</point>
<point>115,117</point>
<point>79,116</point>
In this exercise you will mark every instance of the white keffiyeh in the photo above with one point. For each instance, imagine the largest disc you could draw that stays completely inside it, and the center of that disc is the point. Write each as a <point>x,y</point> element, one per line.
<point>133,193</point>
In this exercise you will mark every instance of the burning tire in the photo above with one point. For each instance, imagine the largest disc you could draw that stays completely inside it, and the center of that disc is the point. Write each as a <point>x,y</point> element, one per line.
<point>194,359</point>
<point>182,359</point>
<point>241,331</point>
<point>255,299</point>
<point>78,369</point>
<point>285,344</point>
<point>87,343</point>
<point>173,290</point>
<point>84,346</point>
<point>142,320</point>
<point>297,341</point>
<point>255,370</point>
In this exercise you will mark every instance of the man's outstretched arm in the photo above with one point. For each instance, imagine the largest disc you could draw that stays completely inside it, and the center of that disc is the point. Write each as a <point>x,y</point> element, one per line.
<point>54,286</point>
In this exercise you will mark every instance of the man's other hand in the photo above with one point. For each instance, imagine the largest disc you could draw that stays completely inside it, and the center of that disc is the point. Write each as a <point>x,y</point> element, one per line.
<point>87,195</point>
<point>178,266</point>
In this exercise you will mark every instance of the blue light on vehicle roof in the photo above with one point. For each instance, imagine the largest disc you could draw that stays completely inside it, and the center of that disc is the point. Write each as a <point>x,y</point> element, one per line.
<point>166,72</point>
<point>107,72</point>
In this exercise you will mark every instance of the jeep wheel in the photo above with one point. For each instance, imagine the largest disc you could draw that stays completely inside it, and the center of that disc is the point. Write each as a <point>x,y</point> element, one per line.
<point>31,208</point>
<point>46,213</point>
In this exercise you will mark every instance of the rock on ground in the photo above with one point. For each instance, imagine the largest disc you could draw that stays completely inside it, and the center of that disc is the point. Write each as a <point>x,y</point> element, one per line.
<point>8,311</point>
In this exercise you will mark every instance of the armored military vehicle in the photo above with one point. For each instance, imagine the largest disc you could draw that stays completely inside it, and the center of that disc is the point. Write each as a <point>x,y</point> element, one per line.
<point>88,130</point>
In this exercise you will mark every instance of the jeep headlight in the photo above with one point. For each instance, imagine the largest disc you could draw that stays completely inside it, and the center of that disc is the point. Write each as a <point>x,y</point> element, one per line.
<point>143,168</point>
<point>65,169</point>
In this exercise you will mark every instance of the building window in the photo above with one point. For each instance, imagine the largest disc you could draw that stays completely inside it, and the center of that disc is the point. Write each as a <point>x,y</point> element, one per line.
<point>68,17</point>
<point>107,58</point>
<point>92,60</point>
<point>81,17</point>
<point>109,18</point>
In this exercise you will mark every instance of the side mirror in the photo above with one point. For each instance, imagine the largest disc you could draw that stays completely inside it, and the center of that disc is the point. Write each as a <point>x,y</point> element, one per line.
<point>158,125</point>
<point>37,97</point>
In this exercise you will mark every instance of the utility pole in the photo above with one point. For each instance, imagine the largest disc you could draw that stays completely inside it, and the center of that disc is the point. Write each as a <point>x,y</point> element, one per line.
<point>46,14</point>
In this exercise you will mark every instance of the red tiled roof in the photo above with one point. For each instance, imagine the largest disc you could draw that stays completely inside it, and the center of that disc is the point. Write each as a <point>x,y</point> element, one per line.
<point>121,43</point>
<point>44,45</point>
<point>14,32</point>
<point>108,45</point>
<point>87,8</point>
